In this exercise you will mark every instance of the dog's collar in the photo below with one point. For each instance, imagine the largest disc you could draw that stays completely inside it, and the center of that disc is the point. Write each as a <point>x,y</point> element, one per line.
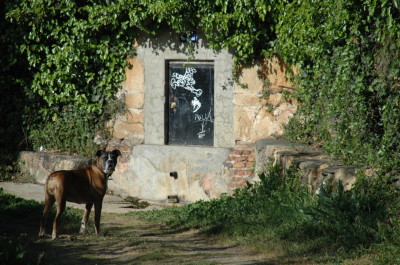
<point>108,175</point>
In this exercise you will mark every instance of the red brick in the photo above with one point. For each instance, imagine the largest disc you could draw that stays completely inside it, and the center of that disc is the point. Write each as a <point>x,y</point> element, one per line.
<point>242,172</point>
<point>249,164</point>
<point>237,182</point>
<point>246,152</point>
<point>240,158</point>
<point>251,158</point>
<point>237,152</point>
<point>237,172</point>
<point>239,164</point>
<point>232,158</point>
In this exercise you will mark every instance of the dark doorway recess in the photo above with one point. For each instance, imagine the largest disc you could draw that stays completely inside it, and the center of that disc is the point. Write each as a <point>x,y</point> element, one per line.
<point>190,93</point>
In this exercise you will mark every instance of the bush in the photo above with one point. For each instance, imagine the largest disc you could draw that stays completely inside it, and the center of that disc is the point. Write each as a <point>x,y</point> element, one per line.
<point>281,205</point>
<point>353,218</point>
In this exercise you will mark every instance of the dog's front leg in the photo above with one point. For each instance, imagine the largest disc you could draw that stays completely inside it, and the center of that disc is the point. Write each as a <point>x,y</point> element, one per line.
<point>97,215</point>
<point>85,217</point>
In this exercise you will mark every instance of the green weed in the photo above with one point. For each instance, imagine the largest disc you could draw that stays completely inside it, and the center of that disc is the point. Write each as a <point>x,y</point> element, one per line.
<point>19,225</point>
<point>335,223</point>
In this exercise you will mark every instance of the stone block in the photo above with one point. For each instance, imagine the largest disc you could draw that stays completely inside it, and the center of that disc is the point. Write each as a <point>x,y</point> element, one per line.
<point>135,116</point>
<point>275,71</point>
<point>123,129</point>
<point>249,77</point>
<point>134,76</point>
<point>134,100</point>
<point>248,100</point>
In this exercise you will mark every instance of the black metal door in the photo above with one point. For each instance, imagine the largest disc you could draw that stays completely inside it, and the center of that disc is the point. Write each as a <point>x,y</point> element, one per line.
<point>191,103</point>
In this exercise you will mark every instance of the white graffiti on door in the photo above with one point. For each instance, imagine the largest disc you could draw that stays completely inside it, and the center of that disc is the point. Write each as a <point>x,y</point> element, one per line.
<point>202,133</point>
<point>204,119</point>
<point>196,104</point>
<point>186,81</point>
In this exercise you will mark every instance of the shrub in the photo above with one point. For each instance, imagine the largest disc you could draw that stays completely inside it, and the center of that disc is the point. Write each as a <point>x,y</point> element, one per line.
<point>281,205</point>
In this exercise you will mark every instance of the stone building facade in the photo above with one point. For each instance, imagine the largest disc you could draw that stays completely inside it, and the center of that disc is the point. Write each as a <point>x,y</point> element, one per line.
<point>189,130</point>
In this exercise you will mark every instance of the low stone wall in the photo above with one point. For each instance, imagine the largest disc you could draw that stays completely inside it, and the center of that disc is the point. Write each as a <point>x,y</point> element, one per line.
<point>202,173</point>
<point>315,166</point>
<point>41,164</point>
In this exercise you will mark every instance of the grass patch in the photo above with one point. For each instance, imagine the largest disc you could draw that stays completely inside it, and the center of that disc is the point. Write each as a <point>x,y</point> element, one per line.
<point>19,226</point>
<point>136,203</point>
<point>279,213</point>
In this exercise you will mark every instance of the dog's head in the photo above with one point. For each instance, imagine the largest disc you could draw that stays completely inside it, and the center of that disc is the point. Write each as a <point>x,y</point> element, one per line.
<point>107,160</point>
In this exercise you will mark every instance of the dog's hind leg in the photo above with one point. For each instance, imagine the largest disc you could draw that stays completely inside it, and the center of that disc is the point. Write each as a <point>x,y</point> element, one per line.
<point>85,217</point>
<point>60,209</point>
<point>48,203</point>
<point>97,215</point>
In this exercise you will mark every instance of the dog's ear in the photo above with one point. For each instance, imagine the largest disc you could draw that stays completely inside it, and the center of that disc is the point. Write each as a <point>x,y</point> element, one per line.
<point>99,153</point>
<point>116,152</point>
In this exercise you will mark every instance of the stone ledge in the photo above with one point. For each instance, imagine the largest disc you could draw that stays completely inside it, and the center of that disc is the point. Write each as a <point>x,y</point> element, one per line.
<point>41,164</point>
<point>316,167</point>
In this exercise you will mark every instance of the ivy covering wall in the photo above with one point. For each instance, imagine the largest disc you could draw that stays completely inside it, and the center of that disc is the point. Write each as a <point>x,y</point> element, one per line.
<point>348,83</point>
<point>346,52</point>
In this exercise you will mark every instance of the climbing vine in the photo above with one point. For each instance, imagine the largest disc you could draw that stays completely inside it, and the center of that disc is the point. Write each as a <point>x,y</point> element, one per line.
<point>345,52</point>
<point>76,53</point>
<point>348,82</point>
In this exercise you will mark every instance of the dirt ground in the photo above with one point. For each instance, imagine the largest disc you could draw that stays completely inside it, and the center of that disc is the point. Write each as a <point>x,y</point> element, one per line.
<point>126,240</point>
<point>131,241</point>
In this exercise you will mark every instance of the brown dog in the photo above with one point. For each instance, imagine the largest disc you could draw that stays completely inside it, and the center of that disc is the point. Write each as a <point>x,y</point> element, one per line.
<point>86,185</point>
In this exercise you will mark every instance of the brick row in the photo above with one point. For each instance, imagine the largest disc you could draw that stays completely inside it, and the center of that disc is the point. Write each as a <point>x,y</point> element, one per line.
<point>240,163</point>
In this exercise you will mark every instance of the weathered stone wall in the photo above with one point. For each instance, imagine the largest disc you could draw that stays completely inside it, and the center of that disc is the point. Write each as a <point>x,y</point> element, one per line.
<point>40,164</point>
<point>129,127</point>
<point>200,173</point>
<point>260,108</point>
<point>254,117</point>
<point>155,53</point>
<point>146,162</point>
<point>316,168</point>
<point>242,116</point>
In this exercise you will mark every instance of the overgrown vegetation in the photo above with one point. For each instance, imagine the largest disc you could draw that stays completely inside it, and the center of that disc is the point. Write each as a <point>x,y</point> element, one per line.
<point>348,56</point>
<point>64,61</point>
<point>67,58</point>
<point>279,212</point>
